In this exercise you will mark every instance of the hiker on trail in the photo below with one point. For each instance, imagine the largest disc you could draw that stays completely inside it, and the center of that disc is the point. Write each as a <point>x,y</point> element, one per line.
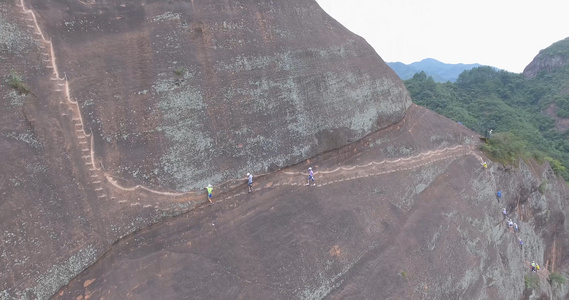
<point>510,223</point>
<point>504,212</point>
<point>499,195</point>
<point>209,193</point>
<point>533,266</point>
<point>521,243</point>
<point>484,165</point>
<point>536,267</point>
<point>515,227</point>
<point>250,182</point>
<point>488,133</point>
<point>310,177</point>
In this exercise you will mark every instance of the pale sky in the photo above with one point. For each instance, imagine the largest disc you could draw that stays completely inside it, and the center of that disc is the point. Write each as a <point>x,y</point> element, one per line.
<point>506,34</point>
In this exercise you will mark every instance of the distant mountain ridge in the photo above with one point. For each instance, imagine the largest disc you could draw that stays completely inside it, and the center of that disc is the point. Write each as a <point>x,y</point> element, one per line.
<point>441,72</point>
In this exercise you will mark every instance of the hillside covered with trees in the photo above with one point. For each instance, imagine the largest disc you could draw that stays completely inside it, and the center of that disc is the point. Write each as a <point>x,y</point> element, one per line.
<point>523,111</point>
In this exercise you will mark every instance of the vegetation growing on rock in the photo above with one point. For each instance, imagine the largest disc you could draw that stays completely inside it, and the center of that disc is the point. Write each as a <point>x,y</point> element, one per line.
<point>557,278</point>
<point>16,82</point>
<point>531,281</point>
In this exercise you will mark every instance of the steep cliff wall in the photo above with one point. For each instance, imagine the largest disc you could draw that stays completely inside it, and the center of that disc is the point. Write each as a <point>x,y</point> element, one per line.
<point>406,213</point>
<point>56,215</point>
<point>174,95</point>
<point>170,95</point>
<point>180,94</point>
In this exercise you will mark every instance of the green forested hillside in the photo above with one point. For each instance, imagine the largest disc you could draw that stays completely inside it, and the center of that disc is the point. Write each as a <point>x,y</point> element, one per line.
<point>508,103</point>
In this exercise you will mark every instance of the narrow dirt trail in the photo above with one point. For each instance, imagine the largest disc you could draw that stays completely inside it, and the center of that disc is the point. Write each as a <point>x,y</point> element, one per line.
<point>287,177</point>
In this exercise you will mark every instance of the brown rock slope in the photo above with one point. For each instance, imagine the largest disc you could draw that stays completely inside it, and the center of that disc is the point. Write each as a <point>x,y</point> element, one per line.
<point>173,95</point>
<point>406,213</point>
<point>180,94</point>
<point>168,95</point>
<point>58,214</point>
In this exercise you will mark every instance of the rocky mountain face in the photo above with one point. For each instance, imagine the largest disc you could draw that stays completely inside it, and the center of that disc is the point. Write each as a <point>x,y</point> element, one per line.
<point>181,94</point>
<point>406,213</point>
<point>551,64</point>
<point>549,59</point>
<point>115,115</point>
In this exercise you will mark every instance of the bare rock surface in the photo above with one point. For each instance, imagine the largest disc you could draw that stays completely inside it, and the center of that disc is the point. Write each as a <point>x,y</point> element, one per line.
<point>406,213</point>
<point>57,214</point>
<point>184,93</point>
<point>119,109</point>
<point>133,105</point>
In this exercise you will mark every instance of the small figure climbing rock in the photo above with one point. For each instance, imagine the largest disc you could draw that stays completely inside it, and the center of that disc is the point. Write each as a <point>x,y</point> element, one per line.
<point>521,243</point>
<point>533,266</point>
<point>311,177</point>
<point>250,182</point>
<point>484,165</point>
<point>499,195</point>
<point>488,133</point>
<point>209,194</point>
<point>516,227</point>
<point>510,223</point>
<point>504,212</point>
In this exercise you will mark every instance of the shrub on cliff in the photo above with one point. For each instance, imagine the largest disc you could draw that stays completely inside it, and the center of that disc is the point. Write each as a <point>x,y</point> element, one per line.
<point>506,148</point>
<point>16,82</point>
<point>531,281</point>
<point>557,166</point>
<point>557,278</point>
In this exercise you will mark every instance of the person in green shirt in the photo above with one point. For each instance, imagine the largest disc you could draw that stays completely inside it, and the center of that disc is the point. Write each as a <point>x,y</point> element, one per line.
<point>209,192</point>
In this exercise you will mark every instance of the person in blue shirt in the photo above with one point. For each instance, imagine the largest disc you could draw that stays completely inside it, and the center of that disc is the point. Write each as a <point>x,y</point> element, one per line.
<point>311,177</point>
<point>250,182</point>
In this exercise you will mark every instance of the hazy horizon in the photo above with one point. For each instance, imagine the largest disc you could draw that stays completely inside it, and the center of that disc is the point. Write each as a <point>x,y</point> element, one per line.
<point>504,34</point>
